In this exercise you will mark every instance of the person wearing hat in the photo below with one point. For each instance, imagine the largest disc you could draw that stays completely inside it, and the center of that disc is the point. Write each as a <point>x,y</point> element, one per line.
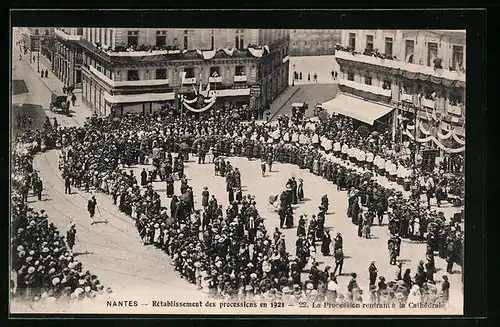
<point>91,205</point>
<point>300,190</point>
<point>71,236</point>
<point>445,289</point>
<point>372,272</point>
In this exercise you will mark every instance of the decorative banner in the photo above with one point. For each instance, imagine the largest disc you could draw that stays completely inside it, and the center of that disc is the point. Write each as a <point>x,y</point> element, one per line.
<point>447,136</point>
<point>436,141</point>
<point>458,139</point>
<point>208,106</point>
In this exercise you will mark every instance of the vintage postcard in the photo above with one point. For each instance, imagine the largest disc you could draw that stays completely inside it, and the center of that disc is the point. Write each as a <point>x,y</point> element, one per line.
<point>237,171</point>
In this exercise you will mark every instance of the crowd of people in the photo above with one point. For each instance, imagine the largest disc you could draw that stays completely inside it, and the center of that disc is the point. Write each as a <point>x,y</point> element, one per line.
<point>43,268</point>
<point>230,252</point>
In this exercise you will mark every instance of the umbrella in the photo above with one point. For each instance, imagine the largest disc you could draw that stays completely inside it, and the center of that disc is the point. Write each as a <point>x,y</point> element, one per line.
<point>236,115</point>
<point>152,168</point>
<point>374,134</point>
<point>184,146</point>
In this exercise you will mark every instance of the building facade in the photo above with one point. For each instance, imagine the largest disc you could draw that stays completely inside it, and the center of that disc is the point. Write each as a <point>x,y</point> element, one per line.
<point>39,38</point>
<point>314,42</point>
<point>68,57</point>
<point>421,73</point>
<point>140,70</point>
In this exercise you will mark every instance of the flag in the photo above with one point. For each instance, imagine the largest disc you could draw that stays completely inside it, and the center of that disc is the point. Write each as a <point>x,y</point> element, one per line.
<point>200,90</point>
<point>207,90</point>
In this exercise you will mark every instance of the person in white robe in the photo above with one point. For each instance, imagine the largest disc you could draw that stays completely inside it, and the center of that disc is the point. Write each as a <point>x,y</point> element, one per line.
<point>393,170</point>
<point>336,148</point>
<point>387,167</point>
<point>344,150</point>
<point>369,160</point>
<point>400,174</point>
<point>361,158</point>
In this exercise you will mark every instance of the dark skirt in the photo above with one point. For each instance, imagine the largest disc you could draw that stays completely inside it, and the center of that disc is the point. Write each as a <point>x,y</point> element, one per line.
<point>170,189</point>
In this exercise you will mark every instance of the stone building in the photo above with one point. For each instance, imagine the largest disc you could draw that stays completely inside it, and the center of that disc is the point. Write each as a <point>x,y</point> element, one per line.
<point>313,42</point>
<point>68,57</point>
<point>139,70</point>
<point>419,73</point>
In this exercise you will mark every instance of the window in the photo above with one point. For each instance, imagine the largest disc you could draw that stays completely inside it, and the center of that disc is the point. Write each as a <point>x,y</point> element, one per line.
<point>161,38</point>
<point>350,76</point>
<point>369,42</point>
<point>456,98</point>
<point>79,31</point>
<point>457,57</point>
<point>46,32</point>
<point>214,71</point>
<point>132,75</point>
<point>105,40</point>
<point>37,32</point>
<point>189,72</point>
<point>240,39</point>
<point>212,40</point>
<point>111,37</point>
<point>306,43</point>
<point>388,46</point>
<point>352,40</point>
<point>318,43</point>
<point>386,84</point>
<point>240,70</point>
<point>100,36</point>
<point>409,50</point>
<point>186,41</point>
<point>161,73</point>
<point>133,38</point>
<point>432,49</point>
<point>368,80</point>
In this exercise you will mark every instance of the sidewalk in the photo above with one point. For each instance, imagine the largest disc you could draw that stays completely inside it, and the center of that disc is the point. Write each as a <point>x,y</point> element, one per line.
<point>80,112</point>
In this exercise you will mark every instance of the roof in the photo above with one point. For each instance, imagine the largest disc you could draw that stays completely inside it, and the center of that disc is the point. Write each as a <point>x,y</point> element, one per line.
<point>358,109</point>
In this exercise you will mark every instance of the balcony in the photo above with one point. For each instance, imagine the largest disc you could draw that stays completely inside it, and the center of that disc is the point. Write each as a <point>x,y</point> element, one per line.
<point>428,103</point>
<point>454,109</point>
<point>240,78</point>
<point>144,82</point>
<point>366,88</point>
<point>406,97</point>
<point>65,36</point>
<point>406,69</point>
<point>217,79</point>
<point>188,80</point>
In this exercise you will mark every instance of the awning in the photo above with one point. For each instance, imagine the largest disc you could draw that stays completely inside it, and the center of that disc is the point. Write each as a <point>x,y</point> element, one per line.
<point>359,109</point>
<point>145,97</point>
<point>229,92</point>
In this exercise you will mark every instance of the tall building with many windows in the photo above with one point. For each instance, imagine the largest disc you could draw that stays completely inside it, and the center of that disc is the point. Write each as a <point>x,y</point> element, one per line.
<point>139,70</point>
<point>421,73</point>
<point>313,42</point>
<point>68,58</point>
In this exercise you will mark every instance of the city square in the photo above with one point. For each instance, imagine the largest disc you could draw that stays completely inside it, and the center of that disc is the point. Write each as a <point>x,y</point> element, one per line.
<point>265,135</point>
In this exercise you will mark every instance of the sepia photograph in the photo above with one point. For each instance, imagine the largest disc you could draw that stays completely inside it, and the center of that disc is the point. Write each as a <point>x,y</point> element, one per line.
<point>237,171</point>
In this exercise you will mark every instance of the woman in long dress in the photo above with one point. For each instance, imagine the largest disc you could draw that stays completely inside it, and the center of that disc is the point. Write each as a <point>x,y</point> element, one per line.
<point>325,244</point>
<point>204,197</point>
<point>300,190</point>
<point>170,185</point>
<point>289,218</point>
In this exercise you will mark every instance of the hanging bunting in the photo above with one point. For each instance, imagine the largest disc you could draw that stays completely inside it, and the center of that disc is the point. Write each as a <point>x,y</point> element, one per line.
<point>447,136</point>
<point>437,142</point>
<point>205,108</point>
<point>458,139</point>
